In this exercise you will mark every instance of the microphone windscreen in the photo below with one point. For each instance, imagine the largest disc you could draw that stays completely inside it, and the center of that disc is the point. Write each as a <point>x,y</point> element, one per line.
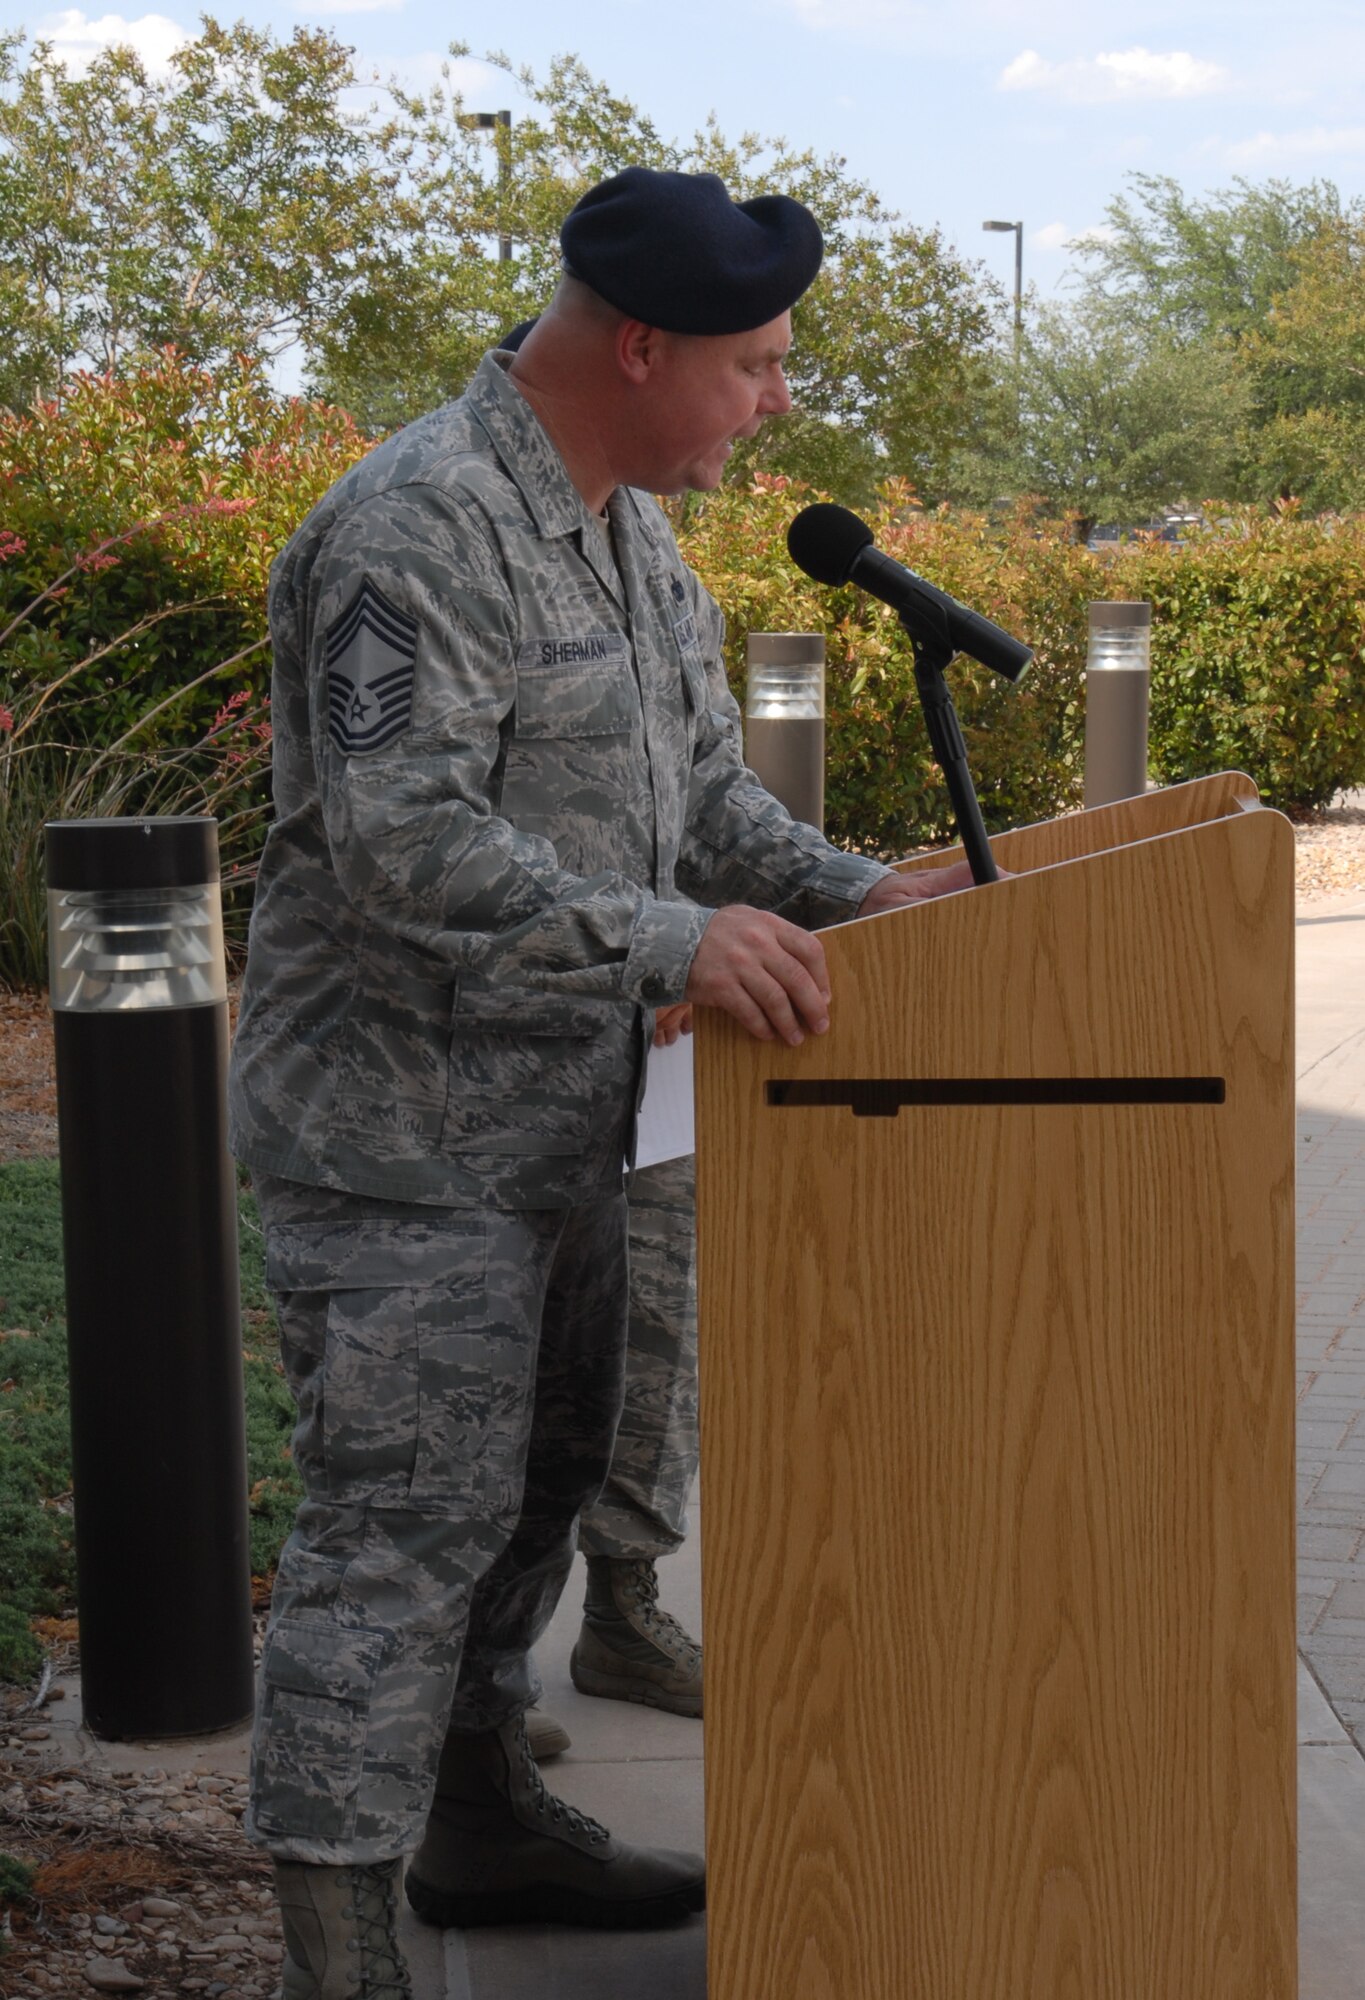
<point>825,541</point>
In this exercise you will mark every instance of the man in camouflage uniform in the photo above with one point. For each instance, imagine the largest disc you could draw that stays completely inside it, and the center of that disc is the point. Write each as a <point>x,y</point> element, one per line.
<point>503,742</point>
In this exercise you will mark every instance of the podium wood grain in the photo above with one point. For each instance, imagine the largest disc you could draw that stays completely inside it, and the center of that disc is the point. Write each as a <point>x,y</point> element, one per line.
<point>997,1425</point>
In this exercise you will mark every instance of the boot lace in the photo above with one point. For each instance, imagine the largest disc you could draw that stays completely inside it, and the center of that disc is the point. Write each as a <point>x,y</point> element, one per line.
<point>544,1803</point>
<point>639,1584</point>
<point>380,1973</point>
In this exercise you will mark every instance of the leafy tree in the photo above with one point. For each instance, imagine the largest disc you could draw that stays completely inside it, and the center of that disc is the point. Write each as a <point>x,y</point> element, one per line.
<point>1263,283</point>
<point>1308,362</point>
<point>1190,269</point>
<point>889,341</point>
<point>229,206</point>
<point>1106,419</point>
<point>237,206</point>
<point>891,353</point>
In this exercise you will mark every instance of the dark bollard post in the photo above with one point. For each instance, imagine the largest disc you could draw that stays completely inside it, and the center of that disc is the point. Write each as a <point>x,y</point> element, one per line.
<point>784,720</point>
<point>139,997</point>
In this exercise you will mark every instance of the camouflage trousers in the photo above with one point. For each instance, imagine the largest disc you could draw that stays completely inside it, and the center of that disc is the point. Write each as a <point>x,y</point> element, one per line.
<point>458,1375</point>
<point>642,1509</point>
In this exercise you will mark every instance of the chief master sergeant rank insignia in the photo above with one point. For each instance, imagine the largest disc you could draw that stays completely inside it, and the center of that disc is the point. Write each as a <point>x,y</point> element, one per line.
<point>370,647</point>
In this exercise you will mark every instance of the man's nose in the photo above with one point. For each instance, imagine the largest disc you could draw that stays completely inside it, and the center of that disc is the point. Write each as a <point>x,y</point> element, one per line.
<point>778,400</point>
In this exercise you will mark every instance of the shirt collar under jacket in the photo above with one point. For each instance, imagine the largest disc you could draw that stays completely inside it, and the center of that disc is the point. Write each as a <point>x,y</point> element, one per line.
<point>532,460</point>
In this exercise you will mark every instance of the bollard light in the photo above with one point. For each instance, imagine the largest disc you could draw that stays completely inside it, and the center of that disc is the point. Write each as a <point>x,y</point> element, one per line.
<point>1117,674</point>
<point>139,996</point>
<point>784,720</point>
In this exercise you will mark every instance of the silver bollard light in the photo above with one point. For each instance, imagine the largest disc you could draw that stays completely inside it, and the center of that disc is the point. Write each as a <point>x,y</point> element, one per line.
<point>784,720</point>
<point>1117,675</point>
<point>149,1226</point>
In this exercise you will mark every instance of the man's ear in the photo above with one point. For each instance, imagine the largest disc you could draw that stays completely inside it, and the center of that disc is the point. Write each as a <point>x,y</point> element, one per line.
<point>639,349</point>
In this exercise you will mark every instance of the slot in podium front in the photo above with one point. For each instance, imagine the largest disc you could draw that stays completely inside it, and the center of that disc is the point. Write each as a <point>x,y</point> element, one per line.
<point>996,1284</point>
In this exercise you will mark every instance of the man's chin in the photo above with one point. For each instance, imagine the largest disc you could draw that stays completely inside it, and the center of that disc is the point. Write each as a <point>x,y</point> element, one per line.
<point>705,478</point>
<point>701,478</point>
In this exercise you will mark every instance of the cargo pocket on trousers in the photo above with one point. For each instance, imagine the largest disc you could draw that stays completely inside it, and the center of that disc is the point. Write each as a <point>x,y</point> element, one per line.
<point>404,1407</point>
<point>316,1685</point>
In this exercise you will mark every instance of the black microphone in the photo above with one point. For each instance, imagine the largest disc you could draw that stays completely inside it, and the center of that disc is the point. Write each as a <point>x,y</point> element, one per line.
<point>834,546</point>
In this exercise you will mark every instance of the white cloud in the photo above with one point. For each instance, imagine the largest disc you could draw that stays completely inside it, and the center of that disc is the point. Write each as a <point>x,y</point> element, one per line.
<point>1317,142</point>
<point>77,38</point>
<point>1061,236</point>
<point>348,7</point>
<point>1126,73</point>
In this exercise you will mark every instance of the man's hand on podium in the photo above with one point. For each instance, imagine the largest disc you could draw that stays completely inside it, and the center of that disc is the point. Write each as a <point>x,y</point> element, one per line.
<point>772,976</point>
<point>766,972</point>
<point>893,891</point>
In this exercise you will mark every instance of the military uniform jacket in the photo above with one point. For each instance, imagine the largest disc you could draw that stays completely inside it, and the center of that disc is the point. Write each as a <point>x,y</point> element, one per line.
<point>501,760</point>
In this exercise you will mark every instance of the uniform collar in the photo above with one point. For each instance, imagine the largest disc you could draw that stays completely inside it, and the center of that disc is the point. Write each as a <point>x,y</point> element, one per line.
<point>526,449</point>
<point>628,506</point>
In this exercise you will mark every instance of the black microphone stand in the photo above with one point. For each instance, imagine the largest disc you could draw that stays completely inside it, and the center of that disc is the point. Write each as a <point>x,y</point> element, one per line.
<point>934,651</point>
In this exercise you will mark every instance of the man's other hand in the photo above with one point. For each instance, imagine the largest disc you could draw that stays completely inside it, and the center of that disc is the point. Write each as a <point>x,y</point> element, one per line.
<point>893,891</point>
<point>766,972</point>
<point>670,1022</point>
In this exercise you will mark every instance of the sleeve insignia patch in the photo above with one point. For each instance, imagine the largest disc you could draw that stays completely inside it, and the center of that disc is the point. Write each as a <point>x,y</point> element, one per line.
<point>371,648</point>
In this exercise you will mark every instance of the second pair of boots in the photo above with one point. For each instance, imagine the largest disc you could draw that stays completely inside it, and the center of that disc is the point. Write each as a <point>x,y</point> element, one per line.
<point>629,1649</point>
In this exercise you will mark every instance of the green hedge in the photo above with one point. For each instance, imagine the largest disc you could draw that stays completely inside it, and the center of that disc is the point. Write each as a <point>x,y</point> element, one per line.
<point>1257,654</point>
<point>1257,642</point>
<point>142,512</point>
<point>884,794</point>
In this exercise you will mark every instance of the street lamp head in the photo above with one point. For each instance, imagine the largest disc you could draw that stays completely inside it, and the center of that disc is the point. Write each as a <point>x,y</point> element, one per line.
<point>1002,225</point>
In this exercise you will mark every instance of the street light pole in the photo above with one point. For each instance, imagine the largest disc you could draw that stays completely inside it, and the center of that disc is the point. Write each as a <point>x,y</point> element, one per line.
<point>1018,229</point>
<point>500,124</point>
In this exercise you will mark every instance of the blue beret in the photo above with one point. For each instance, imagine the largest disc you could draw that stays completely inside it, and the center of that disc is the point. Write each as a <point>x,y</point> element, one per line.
<point>674,251</point>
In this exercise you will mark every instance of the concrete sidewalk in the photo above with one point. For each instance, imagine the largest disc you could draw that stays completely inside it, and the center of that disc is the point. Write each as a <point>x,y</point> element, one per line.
<point>1330,940</point>
<point>641,1772</point>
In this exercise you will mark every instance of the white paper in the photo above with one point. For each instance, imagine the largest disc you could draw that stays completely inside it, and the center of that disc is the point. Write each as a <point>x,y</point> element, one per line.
<point>665,1130</point>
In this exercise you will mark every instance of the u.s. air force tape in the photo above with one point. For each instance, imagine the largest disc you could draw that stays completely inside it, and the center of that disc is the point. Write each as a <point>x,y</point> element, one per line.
<point>370,649</point>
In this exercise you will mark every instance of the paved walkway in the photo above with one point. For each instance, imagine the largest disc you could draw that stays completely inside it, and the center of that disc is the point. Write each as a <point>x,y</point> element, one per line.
<point>1330,940</point>
<point>642,1772</point>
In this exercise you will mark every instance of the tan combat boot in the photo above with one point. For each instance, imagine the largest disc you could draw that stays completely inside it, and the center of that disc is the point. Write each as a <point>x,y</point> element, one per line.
<point>500,1849</point>
<point>630,1650</point>
<point>341,1932</point>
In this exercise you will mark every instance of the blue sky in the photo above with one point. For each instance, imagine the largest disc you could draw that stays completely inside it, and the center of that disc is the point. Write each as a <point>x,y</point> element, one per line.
<point>985,108</point>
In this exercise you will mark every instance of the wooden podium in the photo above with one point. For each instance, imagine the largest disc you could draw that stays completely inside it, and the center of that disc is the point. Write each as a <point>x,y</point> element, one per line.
<point>997,1436</point>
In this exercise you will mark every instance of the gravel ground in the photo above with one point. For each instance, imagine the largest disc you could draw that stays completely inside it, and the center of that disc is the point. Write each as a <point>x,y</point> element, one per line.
<point>144,1884</point>
<point>1329,851</point>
